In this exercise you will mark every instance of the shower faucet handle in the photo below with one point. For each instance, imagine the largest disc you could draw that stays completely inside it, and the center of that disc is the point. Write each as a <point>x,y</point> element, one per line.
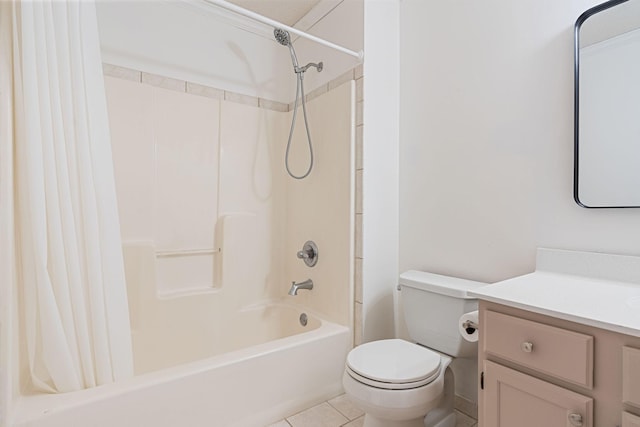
<point>309,253</point>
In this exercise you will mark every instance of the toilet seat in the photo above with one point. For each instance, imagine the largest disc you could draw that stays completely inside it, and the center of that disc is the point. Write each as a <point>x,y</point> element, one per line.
<point>393,364</point>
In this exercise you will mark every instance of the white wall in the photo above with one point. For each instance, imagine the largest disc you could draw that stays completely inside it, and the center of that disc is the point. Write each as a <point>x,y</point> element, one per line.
<point>380,168</point>
<point>486,131</point>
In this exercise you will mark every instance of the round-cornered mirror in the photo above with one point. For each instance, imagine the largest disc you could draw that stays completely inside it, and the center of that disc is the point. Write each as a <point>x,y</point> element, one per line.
<point>607,106</point>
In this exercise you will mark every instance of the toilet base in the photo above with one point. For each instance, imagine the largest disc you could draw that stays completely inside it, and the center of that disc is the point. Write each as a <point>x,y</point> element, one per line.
<point>443,415</point>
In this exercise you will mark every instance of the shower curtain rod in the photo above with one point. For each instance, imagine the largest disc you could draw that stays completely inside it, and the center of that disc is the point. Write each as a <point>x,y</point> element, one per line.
<point>275,24</point>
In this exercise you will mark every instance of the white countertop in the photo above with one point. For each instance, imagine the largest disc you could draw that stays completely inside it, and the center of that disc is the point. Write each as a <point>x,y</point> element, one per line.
<point>602,303</point>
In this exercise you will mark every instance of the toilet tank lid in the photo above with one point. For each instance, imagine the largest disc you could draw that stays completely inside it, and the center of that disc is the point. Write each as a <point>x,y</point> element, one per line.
<point>437,283</point>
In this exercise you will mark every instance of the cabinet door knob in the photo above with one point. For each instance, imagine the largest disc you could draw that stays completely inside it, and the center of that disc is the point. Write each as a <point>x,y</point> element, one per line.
<point>575,420</point>
<point>527,346</point>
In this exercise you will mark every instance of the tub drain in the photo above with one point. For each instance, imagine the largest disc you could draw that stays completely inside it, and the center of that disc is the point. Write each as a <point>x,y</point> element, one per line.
<point>303,319</point>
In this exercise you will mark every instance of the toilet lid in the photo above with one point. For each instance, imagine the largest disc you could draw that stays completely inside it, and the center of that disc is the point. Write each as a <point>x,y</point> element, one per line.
<point>394,361</point>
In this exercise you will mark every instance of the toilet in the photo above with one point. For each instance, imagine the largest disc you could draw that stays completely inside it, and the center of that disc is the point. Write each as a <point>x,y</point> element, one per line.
<point>398,383</point>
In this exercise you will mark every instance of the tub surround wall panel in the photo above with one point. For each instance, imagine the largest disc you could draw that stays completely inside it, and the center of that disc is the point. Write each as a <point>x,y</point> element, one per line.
<point>182,330</point>
<point>163,82</point>
<point>186,136</point>
<point>200,140</point>
<point>252,203</point>
<point>255,204</point>
<point>486,152</point>
<point>166,161</point>
<point>172,331</point>
<point>131,124</point>
<point>186,133</point>
<point>190,87</point>
<point>320,207</point>
<point>122,72</point>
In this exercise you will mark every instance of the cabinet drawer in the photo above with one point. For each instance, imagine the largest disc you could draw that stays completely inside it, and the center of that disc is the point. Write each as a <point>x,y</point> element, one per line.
<point>629,420</point>
<point>563,354</point>
<point>631,376</point>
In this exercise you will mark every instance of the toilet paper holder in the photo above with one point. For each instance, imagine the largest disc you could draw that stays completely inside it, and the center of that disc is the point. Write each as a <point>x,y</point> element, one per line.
<point>470,326</point>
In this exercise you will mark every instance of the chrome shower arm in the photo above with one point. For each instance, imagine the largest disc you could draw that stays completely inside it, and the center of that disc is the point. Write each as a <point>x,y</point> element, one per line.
<point>318,67</point>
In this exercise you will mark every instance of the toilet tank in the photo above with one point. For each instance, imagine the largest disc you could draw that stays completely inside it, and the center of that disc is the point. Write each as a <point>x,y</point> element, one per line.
<point>432,305</point>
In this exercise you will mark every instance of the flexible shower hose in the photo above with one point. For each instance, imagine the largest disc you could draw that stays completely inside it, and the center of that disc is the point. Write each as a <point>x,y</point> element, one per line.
<point>299,88</point>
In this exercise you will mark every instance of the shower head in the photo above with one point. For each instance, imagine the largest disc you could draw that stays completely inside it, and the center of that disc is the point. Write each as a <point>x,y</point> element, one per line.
<point>282,36</point>
<point>284,39</point>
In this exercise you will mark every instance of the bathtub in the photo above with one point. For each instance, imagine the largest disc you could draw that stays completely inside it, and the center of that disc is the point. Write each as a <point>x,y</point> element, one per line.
<point>283,368</point>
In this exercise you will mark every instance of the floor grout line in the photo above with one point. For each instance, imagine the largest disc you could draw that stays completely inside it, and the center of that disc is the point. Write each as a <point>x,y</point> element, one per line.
<point>287,421</point>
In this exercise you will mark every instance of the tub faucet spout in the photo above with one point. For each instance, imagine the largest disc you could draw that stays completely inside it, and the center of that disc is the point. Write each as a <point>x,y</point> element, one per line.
<point>307,284</point>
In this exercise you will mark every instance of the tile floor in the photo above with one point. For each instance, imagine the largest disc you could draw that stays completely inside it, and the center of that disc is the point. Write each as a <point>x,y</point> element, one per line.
<point>339,412</point>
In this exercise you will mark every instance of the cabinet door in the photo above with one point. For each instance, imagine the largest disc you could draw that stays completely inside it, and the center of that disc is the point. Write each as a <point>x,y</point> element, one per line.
<point>631,376</point>
<point>512,398</point>
<point>629,420</point>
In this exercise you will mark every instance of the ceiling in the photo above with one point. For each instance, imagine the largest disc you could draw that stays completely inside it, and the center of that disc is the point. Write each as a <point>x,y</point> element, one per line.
<point>285,11</point>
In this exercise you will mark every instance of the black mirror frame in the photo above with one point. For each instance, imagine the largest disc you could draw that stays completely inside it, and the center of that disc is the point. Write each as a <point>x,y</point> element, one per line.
<point>576,97</point>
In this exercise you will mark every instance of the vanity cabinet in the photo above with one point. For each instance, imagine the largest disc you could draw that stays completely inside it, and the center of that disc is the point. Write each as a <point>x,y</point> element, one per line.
<point>537,370</point>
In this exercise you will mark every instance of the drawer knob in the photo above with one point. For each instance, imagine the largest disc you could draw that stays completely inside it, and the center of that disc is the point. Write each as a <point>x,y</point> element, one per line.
<point>527,346</point>
<point>575,420</point>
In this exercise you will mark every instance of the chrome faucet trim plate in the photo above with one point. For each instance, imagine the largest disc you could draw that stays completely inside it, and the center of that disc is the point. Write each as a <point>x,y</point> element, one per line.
<point>309,253</point>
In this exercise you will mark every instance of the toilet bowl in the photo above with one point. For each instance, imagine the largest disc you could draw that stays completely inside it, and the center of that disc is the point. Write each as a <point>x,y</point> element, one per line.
<point>395,382</point>
<point>398,383</point>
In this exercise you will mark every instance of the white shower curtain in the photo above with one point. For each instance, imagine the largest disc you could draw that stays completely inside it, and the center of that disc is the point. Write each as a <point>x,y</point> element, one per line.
<point>74,313</point>
<point>7,244</point>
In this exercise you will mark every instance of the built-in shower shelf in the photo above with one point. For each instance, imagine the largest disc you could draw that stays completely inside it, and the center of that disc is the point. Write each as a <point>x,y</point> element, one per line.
<point>186,252</point>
